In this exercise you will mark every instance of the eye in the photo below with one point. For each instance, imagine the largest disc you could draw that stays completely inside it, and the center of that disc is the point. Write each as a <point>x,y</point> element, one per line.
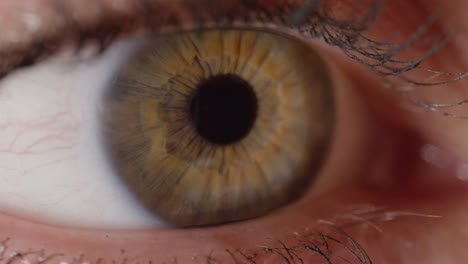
<point>91,160</point>
<point>220,125</point>
<point>193,128</point>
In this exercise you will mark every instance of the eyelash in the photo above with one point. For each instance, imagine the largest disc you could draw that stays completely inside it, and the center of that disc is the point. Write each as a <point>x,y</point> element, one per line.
<point>310,20</point>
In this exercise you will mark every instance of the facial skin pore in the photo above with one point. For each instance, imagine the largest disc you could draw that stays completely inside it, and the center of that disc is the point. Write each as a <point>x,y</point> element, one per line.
<point>393,207</point>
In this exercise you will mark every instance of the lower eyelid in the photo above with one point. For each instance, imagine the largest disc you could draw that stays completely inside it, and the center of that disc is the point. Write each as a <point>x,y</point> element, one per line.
<point>32,242</point>
<point>254,240</point>
<point>60,245</point>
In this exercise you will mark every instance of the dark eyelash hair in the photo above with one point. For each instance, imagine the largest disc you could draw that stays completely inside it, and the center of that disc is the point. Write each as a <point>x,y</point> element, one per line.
<point>331,244</point>
<point>311,18</point>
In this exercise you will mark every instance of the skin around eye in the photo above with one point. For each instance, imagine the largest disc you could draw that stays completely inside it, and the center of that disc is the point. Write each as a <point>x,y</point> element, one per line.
<point>390,226</point>
<point>176,129</point>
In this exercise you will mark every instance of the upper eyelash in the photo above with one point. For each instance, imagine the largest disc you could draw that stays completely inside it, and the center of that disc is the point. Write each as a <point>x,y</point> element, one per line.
<point>311,19</point>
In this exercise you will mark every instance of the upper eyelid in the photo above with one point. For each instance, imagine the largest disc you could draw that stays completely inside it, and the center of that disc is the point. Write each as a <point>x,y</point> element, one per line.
<point>35,30</point>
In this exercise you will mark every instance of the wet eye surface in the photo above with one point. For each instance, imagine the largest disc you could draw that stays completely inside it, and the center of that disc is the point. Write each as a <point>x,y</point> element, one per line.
<point>218,126</point>
<point>367,181</point>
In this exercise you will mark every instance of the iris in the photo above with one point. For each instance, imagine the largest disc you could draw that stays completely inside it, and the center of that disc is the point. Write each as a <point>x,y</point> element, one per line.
<point>214,126</point>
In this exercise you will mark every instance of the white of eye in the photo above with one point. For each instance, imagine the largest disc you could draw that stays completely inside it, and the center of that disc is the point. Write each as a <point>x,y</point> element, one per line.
<point>52,165</point>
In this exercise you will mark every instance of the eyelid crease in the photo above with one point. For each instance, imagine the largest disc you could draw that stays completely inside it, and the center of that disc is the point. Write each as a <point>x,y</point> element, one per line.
<point>31,36</point>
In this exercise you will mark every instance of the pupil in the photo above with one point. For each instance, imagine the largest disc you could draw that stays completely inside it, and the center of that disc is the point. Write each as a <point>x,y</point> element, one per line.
<point>224,109</point>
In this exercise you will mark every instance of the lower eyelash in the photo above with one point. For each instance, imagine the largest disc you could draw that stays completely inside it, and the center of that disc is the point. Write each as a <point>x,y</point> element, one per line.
<point>328,241</point>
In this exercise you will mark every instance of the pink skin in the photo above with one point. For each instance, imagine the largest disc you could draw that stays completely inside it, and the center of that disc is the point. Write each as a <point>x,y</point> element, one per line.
<point>377,147</point>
